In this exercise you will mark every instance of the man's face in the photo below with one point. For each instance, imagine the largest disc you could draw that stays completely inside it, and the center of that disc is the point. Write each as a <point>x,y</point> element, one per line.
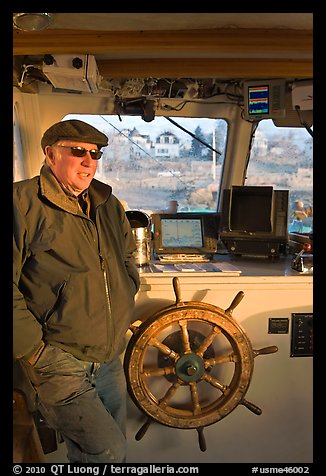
<point>75,173</point>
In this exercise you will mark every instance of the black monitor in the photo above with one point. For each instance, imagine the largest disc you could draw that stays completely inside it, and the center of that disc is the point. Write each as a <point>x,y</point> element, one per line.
<point>254,218</point>
<point>264,99</point>
<point>251,209</point>
<point>185,233</point>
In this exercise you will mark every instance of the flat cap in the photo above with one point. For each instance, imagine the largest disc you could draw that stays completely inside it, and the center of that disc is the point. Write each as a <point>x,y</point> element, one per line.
<point>75,130</point>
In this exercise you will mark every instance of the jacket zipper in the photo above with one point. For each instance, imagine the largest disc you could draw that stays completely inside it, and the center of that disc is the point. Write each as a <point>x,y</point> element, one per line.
<point>107,293</point>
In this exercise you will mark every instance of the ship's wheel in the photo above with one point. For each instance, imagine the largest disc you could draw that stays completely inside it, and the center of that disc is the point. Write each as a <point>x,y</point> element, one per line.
<point>190,365</point>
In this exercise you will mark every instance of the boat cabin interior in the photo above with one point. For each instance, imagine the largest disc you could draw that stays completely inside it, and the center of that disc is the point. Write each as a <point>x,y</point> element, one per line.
<point>210,124</point>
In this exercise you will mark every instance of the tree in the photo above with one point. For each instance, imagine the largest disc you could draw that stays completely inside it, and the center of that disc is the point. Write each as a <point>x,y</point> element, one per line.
<point>196,146</point>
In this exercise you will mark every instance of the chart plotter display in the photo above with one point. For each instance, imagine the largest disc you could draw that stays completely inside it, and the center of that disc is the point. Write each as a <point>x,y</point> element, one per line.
<point>178,233</point>
<point>184,233</point>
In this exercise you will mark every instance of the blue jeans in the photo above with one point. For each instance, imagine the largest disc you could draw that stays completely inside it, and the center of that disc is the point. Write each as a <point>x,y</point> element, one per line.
<point>85,402</point>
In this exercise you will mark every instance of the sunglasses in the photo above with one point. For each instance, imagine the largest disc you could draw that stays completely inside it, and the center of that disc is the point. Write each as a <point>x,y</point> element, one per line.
<point>77,151</point>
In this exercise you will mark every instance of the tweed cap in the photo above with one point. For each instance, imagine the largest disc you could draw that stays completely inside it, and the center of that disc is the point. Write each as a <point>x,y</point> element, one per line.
<point>74,130</point>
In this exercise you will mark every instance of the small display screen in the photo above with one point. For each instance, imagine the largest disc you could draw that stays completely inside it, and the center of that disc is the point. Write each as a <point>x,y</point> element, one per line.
<point>182,233</point>
<point>258,100</point>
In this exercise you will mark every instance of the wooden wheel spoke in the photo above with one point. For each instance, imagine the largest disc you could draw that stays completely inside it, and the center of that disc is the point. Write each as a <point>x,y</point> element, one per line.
<point>163,348</point>
<point>207,341</point>
<point>221,359</point>
<point>185,337</point>
<point>158,372</point>
<point>169,394</point>
<point>216,383</point>
<point>195,398</point>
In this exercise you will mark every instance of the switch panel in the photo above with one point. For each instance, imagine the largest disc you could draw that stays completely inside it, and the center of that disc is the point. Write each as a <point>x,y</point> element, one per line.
<point>302,335</point>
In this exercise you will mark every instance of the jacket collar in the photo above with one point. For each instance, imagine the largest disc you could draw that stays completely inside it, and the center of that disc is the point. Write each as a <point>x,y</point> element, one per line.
<point>51,189</point>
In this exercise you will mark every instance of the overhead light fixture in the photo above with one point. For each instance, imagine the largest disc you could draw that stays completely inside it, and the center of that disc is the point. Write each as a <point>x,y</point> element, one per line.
<point>32,21</point>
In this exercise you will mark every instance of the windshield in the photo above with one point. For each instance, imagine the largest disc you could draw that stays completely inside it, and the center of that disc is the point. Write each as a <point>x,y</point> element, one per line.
<point>283,157</point>
<point>162,165</point>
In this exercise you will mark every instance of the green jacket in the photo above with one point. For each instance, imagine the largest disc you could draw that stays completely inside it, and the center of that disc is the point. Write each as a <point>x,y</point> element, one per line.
<point>74,280</point>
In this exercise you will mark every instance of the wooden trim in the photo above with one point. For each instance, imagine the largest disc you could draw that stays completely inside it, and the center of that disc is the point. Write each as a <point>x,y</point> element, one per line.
<point>206,68</point>
<point>187,43</point>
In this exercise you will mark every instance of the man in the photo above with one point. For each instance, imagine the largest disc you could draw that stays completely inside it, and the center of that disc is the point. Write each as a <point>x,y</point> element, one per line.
<point>74,287</point>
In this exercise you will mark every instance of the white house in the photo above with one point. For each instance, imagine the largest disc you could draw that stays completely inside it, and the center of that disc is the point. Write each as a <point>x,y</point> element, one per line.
<point>167,145</point>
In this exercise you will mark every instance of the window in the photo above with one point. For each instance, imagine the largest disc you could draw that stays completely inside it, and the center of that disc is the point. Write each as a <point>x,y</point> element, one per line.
<point>283,157</point>
<point>18,169</point>
<point>150,165</point>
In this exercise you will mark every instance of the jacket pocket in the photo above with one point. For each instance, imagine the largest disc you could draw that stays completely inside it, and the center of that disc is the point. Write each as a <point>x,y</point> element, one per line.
<point>56,304</point>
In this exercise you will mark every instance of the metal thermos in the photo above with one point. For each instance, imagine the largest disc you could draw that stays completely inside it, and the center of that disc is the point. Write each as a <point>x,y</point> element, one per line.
<point>141,228</point>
